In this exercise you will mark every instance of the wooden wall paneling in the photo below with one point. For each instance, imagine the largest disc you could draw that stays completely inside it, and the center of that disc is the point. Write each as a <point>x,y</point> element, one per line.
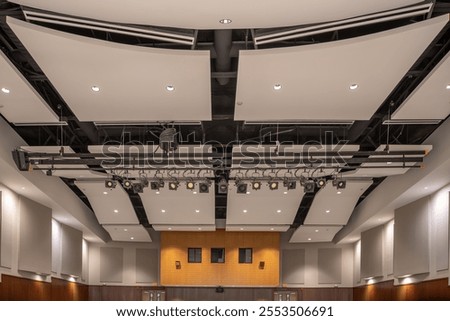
<point>327,294</point>
<point>174,247</point>
<point>63,290</point>
<point>386,291</point>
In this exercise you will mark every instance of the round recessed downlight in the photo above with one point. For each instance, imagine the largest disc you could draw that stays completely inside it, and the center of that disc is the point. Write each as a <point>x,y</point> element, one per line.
<point>95,88</point>
<point>327,211</point>
<point>170,88</point>
<point>197,211</point>
<point>116,211</point>
<point>278,211</point>
<point>317,231</point>
<point>353,86</point>
<point>163,211</point>
<point>5,90</point>
<point>125,230</point>
<point>277,86</point>
<point>225,21</point>
<point>447,87</point>
<point>244,211</point>
<point>105,193</point>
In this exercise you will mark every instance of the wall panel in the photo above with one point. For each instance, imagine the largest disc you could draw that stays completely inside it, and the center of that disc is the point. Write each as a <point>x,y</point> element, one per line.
<point>146,266</point>
<point>411,239</point>
<point>35,245</point>
<point>8,212</point>
<point>71,251</point>
<point>293,266</point>
<point>111,264</point>
<point>330,266</point>
<point>372,252</point>
<point>265,246</point>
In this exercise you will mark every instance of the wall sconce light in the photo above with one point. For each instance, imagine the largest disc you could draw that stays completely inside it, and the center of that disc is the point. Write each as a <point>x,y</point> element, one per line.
<point>262,264</point>
<point>178,265</point>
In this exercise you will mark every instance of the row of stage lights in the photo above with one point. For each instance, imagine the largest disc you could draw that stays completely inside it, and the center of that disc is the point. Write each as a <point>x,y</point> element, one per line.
<point>309,184</point>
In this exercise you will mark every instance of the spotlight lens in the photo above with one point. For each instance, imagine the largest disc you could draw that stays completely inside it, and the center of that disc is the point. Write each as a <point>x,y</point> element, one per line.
<point>256,185</point>
<point>6,90</point>
<point>190,185</point>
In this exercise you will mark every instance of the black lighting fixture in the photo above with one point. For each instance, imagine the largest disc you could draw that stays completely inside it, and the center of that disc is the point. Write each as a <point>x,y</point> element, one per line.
<point>156,185</point>
<point>256,185</point>
<point>138,187</point>
<point>309,186</point>
<point>168,140</point>
<point>127,183</point>
<point>173,185</point>
<point>321,182</point>
<point>273,185</point>
<point>49,172</point>
<point>203,187</point>
<point>190,185</point>
<point>110,183</point>
<point>340,183</point>
<point>241,187</point>
<point>222,186</point>
<point>290,184</point>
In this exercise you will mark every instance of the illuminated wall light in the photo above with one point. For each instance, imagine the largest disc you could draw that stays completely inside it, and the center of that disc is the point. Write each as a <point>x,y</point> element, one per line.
<point>5,90</point>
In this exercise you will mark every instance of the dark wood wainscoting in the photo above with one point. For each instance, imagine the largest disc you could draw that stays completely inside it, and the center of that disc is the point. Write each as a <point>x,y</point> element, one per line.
<point>14,288</point>
<point>118,293</point>
<point>433,290</point>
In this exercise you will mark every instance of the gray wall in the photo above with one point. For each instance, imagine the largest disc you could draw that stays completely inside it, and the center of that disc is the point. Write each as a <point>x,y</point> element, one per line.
<point>35,245</point>
<point>372,253</point>
<point>293,266</point>
<point>71,251</point>
<point>330,266</point>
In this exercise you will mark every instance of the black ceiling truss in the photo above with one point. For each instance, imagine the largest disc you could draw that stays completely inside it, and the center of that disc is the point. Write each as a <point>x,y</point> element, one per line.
<point>223,132</point>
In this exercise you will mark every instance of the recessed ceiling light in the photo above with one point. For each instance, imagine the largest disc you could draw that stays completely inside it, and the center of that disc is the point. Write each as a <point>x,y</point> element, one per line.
<point>194,192</point>
<point>163,211</point>
<point>6,90</point>
<point>125,230</point>
<point>170,88</point>
<point>339,192</point>
<point>105,193</point>
<point>197,211</point>
<point>244,211</point>
<point>426,187</point>
<point>248,193</point>
<point>95,88</point>
<point>277,86</point>
<point>285,193</point>
<point>317,231</point>
<point>23,187</point>
<point>131,238</point>
<point>225,21</point>
<point>446,87</point>
<point>353,86</point>
<point>327,211</point>
<point>278,211</point>
<point>309,239</point>
<point>116,211</point>
<point>157,192</point>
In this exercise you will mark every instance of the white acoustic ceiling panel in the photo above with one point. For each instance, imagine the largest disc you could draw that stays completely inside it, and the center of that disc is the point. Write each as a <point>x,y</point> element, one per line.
<point>257,228</point>
<point>19,101</point>
<point>179,207</point>
<point>334,207</point>
<point>128,233</point>
<point>183,228</point>
<point>206,14</point>
<point>243,155</point>
<point>314,82</point>
<point>314,233</point>
<point>79,171</point>
<point>389,169</point>
<point>111,206</point>
<point>134,84</point>
<point>264,207</point>
<point>431,99</point>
